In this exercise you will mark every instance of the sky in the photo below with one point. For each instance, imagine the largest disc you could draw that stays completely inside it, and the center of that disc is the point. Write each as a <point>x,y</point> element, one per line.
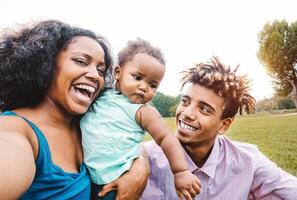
<point>187,31</point>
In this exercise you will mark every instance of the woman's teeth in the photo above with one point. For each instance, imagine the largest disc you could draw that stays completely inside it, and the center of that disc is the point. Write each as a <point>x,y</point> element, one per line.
<point>88,88</point>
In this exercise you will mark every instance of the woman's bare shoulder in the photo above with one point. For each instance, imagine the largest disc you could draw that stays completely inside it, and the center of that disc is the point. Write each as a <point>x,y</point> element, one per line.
<point>14,124</point>
<point>15,131</point>
<point>17,158</point>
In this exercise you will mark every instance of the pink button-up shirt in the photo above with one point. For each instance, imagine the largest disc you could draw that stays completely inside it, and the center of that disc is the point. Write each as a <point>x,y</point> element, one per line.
<point>233,171</point>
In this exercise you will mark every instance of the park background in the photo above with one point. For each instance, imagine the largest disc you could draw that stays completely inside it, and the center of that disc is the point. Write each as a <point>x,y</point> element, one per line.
<point>191,31</point>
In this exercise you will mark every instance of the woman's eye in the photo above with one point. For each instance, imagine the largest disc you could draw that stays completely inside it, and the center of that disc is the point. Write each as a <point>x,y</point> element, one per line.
<point>101,71</point>
<point>81,62</point>
<point>136,77</point>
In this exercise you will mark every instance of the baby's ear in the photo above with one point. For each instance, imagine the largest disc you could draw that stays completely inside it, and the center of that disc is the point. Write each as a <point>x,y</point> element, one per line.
<point>117,72</point>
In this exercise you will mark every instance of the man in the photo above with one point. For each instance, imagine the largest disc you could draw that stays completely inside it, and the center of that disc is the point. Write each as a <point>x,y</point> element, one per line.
<point>212,96</point>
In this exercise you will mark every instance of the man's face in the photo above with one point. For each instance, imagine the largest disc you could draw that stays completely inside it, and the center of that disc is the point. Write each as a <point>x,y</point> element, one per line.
<point>198,116</point>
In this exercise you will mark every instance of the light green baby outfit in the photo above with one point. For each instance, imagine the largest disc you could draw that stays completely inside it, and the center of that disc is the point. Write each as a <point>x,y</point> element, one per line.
<point>110,136</point>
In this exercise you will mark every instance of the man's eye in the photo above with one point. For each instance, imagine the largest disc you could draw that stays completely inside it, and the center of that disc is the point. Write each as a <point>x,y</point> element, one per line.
<point>205,109</point>
<point>136,77</point>
<point>184,101</point>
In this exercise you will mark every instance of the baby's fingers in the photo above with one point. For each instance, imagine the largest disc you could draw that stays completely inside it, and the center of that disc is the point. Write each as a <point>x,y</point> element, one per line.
<point>192,192</point>
<point>187,195</point>
<point>179,194</point>
<point>197,181</point>
<point>197,188</point>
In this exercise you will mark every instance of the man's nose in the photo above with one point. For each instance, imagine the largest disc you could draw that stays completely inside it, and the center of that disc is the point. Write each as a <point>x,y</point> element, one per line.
<point>189,113</point>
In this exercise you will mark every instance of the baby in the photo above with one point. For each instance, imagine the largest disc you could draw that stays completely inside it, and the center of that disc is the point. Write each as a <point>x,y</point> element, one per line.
<point>116,123</point>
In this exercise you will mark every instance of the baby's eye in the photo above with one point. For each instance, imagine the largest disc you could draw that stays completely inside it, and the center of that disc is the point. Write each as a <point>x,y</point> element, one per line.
<point>154,86</point>
<point>136,77</point>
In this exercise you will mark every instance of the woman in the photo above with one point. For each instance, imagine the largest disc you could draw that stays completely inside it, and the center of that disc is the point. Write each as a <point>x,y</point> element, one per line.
<point>50,74</point>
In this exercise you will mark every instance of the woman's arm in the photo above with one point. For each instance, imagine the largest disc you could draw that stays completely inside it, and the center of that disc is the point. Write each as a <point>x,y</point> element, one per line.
<point>131,185</point>
<point>17,168</point>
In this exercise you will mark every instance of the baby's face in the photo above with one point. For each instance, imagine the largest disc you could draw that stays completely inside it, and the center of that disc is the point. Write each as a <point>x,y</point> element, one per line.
<point>139,78</point>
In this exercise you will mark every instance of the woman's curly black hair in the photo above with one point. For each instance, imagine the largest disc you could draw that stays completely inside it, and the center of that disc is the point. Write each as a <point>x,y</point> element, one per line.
<point>28,59</point>
<point>224,82</point>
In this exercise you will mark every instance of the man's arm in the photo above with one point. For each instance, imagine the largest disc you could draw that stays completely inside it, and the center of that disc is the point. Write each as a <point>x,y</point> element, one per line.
<point>271,182</point>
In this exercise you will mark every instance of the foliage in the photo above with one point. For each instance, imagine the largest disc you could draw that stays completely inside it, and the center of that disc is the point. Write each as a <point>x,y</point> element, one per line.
<point>163,103</point>
<point>285,103</point>
<point>267,104</point>
<point>274,103</point>
<point>278,53</point>
<point>172,110</point>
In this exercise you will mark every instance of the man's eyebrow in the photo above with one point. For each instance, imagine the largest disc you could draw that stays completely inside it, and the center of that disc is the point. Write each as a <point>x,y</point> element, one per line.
<point>208,105</point>
<point>186,96</point>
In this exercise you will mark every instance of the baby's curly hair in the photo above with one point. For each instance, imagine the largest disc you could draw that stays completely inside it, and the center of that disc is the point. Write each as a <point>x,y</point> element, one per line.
<point>224,82</point>
<point>28,59</point>
<point>139,46</point>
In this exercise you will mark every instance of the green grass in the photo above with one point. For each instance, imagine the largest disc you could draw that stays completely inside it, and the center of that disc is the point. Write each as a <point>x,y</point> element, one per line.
<point>275,135</point>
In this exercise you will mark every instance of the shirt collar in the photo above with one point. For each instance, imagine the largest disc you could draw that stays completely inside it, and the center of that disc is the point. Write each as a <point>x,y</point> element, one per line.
<point>210,165</point>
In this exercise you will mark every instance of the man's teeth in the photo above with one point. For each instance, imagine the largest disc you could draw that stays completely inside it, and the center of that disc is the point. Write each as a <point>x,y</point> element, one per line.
<point>185,126</point>
<point>86,87</point>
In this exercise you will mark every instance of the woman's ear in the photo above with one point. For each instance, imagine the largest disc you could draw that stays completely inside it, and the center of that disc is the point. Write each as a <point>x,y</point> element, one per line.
<point>117,72</point>
<point>225,125</point>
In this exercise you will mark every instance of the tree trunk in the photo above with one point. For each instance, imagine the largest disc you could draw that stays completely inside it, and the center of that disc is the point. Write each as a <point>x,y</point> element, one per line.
<point>293,93</point>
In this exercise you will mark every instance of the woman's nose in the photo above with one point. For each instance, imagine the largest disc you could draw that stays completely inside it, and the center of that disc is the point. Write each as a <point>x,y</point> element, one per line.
<point>93,73</point>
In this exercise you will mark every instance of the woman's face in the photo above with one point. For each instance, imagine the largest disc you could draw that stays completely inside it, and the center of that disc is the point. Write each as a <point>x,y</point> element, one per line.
<point>79,75</point>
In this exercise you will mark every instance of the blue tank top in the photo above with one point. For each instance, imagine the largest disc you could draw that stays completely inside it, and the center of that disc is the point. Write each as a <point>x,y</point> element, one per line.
<point>50,181</point>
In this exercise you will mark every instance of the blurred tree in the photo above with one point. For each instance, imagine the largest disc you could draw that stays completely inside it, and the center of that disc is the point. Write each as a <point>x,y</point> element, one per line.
<point>285,103</point>
<point>278,53</point>
<point>267,104</point>
<point>172,110</point>
<point>275,103</point>
<point>163,103</point>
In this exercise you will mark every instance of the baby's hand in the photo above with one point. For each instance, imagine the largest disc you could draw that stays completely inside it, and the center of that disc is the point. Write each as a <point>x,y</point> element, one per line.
<point>187,185</point>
